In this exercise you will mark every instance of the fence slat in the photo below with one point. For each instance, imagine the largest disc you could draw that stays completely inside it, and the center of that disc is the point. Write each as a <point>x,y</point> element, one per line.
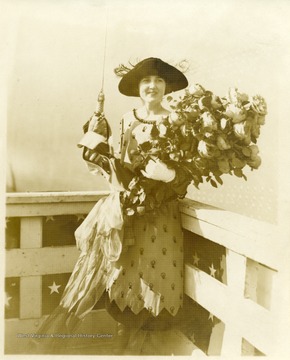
<point>31,232</point>
<point>236,272</point>
<point>31,297</point>
<point>42,261</point>
<point>242,314</point>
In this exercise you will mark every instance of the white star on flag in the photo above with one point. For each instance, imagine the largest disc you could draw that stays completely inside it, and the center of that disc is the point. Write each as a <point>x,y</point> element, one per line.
<point>7,299</point>
<point>212,270</point>
<point>195,259</point>
<point>54,288</point>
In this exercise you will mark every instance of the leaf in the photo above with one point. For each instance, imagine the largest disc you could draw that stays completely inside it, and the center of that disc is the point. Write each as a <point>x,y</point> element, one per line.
<point>238,172</point>
<point>154,131</point>
<point>246,151</point>
<point>146,146</point>
<point>213,183</point>
<point>237,163</point>
<point>219,179</point>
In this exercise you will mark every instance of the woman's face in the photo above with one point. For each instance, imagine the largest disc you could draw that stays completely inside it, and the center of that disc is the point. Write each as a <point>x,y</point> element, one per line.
<point>152,89</point>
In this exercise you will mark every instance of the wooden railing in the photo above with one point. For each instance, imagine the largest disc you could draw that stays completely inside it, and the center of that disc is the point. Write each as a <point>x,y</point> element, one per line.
<point>246,303</point>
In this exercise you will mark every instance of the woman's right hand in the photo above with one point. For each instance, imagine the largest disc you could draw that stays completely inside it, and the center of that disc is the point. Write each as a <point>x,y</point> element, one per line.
<point>158,170</point>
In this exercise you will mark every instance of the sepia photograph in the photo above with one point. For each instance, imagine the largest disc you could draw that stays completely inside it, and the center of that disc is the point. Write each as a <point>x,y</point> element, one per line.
<point>145,155</point>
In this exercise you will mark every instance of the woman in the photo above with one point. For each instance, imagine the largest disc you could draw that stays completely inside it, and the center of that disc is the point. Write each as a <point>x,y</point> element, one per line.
<point>137,261</point>
<point>146,291</point>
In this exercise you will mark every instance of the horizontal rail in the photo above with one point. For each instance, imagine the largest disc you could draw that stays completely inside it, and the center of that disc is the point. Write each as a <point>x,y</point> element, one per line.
<point>49,204</point>
<point>54,197</point>
<point>246,236</point>
<point>32,262</point>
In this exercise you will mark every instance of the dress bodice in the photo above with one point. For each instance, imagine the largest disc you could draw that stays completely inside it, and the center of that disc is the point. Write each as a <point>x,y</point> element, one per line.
<point>135,133</point>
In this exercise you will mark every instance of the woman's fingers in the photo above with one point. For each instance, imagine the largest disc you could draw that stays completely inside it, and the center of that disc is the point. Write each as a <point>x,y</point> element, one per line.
<point>93,156</point>
<point>90,156</point>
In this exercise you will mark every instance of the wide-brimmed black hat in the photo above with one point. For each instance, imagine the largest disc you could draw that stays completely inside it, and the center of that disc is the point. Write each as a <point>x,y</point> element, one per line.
<point>175,79</point>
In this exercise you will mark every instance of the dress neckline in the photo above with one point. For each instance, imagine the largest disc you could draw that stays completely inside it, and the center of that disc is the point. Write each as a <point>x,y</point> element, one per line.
<point>149,122</point>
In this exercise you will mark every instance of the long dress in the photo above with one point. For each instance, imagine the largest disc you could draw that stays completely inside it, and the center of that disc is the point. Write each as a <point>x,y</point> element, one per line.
<point>138,262</point>
<point>149,274</point>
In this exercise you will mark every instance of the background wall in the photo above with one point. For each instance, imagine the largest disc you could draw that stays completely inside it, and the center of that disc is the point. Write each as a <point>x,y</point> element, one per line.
<point>55,73</point>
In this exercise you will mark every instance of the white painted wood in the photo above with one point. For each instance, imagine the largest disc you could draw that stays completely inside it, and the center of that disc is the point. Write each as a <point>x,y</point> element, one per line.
<point>235,223</point>
<point>216,339</point>
<point>251,320</point>
<point>251,280</point>
<point>259,249</point>
<point>46,209</point>
<point>232,342</point>
<point>243,237</point>
<point>42,261</point>
<point>54,197</point>
<point>30,232</point>
<point>30,297</point>
<point>236,272</point>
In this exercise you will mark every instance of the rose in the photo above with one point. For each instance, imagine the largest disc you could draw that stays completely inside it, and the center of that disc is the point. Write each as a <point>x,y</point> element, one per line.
<point>241,130</point>
<point>205,149</point>
<point>258,104</point>
<point>235,97</point>
<point>196,90</point>
<point>236,113</point>
<point>208,121</point>
<point>215,102</point>
<point>176,119</point>
<point>162,130</point>
<point>224,123</point>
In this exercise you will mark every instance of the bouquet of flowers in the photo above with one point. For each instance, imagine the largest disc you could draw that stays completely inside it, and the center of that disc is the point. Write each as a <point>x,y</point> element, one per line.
<point>206,136</point>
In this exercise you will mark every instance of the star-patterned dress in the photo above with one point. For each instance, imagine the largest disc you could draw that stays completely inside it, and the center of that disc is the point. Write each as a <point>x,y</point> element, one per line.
<point>149,273</point>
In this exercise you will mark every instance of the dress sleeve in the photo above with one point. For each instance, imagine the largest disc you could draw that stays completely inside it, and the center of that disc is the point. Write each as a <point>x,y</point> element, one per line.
<point>104,163</point>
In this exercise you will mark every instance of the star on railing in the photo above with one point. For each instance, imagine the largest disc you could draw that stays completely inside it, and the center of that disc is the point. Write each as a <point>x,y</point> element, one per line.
<point>54,288</point>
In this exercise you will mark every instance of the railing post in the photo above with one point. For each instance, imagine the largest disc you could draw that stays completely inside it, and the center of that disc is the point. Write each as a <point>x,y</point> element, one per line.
<point>236,273</point>
<point>30,286</point>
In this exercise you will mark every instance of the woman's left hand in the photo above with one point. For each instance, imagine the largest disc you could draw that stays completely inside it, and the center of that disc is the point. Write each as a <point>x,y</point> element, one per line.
<point>158,170</point>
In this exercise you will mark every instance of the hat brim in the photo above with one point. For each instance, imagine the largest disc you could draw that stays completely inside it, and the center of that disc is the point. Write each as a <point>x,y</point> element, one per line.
<point>175,79</point>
